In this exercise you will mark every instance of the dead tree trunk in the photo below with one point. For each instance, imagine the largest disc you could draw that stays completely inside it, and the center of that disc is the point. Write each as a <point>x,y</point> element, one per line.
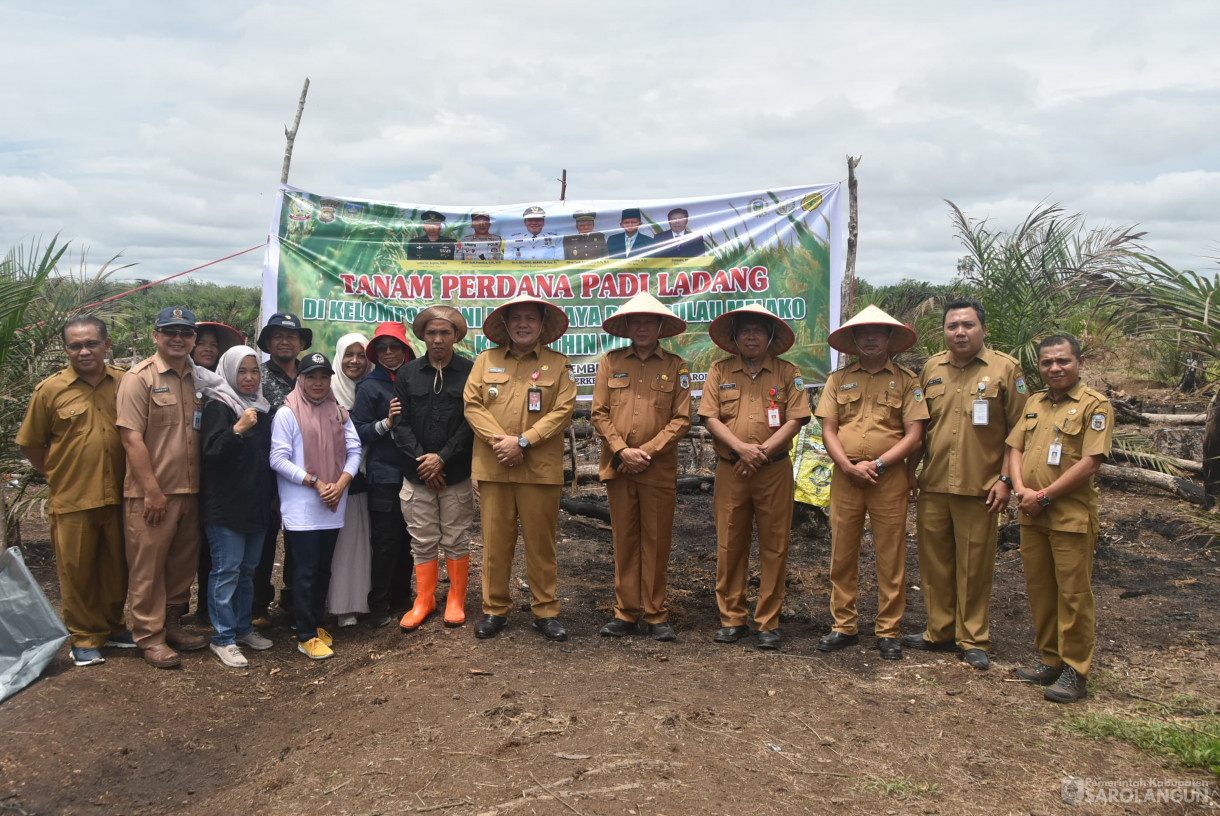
<point>291,135</point>
<point>853,235</point>
<point>1211,448</point>
<point>1182,488</point>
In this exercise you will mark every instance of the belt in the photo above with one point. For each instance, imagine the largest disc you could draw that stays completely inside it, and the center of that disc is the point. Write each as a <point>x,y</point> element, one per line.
<point>777,458</point>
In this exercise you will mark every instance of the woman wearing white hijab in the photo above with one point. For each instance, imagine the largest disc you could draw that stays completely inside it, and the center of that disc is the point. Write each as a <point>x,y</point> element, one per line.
<point>350,570</point>
<point>237,490</point>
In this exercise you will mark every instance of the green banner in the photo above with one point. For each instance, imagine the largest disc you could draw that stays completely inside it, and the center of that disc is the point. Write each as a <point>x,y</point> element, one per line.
<point>345,265</point>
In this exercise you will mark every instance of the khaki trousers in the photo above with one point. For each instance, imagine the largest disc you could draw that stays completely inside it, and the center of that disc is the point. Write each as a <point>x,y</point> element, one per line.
<point>766,499</point>
<point>886,505</point>
<point>503,504</point>
<point>438,520</point>
<point>92,571</point>
<point>1059,580</point>
<point>642,518</point>
<point>957,541</point>
<point>161,563</point>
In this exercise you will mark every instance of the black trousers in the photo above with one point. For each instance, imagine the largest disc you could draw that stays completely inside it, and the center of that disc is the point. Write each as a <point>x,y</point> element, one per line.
<point>312,553</point>
<point>390,545</point>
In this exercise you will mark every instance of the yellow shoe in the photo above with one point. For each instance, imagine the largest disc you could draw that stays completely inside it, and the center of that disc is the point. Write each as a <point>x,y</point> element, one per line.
<point>325,637</point>
<point>314,649</point>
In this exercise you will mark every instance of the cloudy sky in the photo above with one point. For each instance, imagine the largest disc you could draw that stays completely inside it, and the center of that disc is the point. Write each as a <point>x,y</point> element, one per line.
<point>157,129</point>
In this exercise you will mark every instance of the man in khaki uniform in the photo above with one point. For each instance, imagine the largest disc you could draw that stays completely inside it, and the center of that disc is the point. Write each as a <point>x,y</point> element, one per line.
<point>872,413</point>
<point>68,434</point>
<point>641,409</point>
<point>1066,434</point>
<point>519,399</point>
<point>160,409</point>
<point>974,397</point>
<point>753,405</point>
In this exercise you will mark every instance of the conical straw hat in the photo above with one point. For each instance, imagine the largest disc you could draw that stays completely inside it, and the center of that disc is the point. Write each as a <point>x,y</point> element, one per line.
<point>901,338</point>
<point>554,321</point>
<point>643,304</point>
<point>723,334</point>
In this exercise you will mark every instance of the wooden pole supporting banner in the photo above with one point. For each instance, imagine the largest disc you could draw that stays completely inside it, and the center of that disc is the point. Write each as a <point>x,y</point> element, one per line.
<point>291,135</point>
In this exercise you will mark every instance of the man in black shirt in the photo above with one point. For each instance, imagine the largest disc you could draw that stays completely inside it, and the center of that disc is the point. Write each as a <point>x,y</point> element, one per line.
<point>437,499</point>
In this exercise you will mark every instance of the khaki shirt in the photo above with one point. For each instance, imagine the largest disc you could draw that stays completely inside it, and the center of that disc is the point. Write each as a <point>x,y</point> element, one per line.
<point>497,402</point>
<point>872,408</point>
<point>741,402</point>
<point>642,403</point>
<point>158,403</point>
<point>961,457</point>
<point>75,422</point>
<point>1085,423</point>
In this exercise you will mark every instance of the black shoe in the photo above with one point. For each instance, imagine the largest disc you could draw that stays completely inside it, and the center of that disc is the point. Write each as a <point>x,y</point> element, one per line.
<point>551,628</point>
<point>918,642</point>
<point>1044,675</point>
<point>617,628</point>
<point>730,634</point>
<point>379,620</point>
<point>664,632</point>
<point>890,648</point>
<point>1069,688</point>
<point>769,640</point>
<point>836,641</point>
<point>490,626</point>
<point>976,658</point>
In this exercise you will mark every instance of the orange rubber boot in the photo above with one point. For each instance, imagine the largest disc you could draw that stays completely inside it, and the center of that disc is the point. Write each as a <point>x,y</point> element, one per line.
<point>425,597</point>
<point>455,606</point>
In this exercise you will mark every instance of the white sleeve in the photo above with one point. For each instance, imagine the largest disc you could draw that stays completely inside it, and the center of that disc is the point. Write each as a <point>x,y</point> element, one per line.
<point>352,440</point>
<point>286,438</point>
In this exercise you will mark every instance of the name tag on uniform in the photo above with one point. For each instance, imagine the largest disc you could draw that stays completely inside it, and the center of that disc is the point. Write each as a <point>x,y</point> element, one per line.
<point>535,399</point>
<point>494,370</point>
<point>727,386</point>
<point>162,390</point>
<point>197,420</point>
<point>936,381</point>
<point>980,412</point>
<point>621,374</point>
<point>1054,453</point>
<point>773,418</point>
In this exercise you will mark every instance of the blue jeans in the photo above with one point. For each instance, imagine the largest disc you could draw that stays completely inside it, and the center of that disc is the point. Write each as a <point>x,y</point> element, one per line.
<point>312,551</point>
<point>231,582</point>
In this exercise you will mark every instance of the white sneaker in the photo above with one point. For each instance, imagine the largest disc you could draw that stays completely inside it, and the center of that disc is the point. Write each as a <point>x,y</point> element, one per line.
<point>230,655</point>
<point>347,620</point>
<point>255,641</point>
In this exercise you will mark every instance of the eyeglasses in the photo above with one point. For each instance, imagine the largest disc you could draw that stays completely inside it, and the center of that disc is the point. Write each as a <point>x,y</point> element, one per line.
<point>177,332</point>
<point>77,348</point>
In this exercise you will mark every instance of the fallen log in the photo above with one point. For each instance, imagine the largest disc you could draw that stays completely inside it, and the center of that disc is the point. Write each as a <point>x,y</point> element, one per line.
<point>1182,488</point>
<point>1140,459</point>
<point>701,483</point>
<point>585,508</point>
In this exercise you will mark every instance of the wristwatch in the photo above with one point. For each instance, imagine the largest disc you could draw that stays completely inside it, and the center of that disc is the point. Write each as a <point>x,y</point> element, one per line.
<point>1005,480</point>
<point>523,442</point>
<point>313,481</point>
<point>880,467</point>
<point>1043,499</point>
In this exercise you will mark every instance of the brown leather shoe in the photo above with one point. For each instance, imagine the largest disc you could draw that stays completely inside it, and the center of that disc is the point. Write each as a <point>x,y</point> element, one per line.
<point>182,637</point>
<point>161,656</point>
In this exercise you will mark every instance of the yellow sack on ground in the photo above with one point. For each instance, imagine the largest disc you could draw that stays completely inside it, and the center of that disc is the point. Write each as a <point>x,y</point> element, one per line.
<point>811,465</point>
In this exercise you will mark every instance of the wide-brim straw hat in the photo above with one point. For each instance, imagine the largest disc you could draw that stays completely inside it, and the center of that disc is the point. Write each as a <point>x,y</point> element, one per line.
<point>440,313</point>
<point>722,333</point>
<point>226,336</point>
<point>644,304</point>
<point>554,321</point>
<point>901,338</point>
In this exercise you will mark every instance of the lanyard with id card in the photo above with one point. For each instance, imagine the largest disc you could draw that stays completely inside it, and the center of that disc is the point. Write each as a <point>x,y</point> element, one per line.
<point>1055,452</point>
<point>535,394</point>
<point>773,412</point>
<point>981,406</point>
<point>197,419</point>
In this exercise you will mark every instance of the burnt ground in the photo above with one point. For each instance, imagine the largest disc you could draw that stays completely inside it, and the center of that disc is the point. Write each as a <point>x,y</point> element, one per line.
<point>436,721</point>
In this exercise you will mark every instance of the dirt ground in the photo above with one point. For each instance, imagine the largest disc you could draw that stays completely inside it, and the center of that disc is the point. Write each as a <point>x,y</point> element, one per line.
<point>437,721</point>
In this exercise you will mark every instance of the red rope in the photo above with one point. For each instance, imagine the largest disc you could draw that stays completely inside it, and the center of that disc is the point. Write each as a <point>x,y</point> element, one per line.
<point>171,277</point>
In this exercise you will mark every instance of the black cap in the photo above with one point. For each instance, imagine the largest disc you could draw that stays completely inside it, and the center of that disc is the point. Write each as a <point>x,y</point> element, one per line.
<point>175,316</point>
<point>432,217</point>
<point>284,320</point>
<point>312,362</point>
<point>631,212</point>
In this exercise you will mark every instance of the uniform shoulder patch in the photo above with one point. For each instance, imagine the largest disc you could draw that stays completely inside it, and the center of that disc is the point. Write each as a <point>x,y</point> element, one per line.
<point>798,383</point>
<point>1098,422</point>
<point>684,379</point>
<point>1021,389</point>
<point>918,394</point>
<point>571,373</point>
